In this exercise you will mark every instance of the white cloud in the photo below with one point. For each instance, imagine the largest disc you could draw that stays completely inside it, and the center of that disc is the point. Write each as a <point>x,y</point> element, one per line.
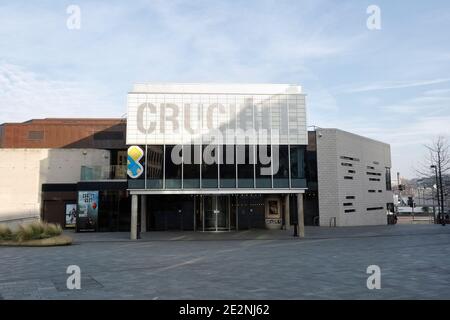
<point>387,85</point>
<point>25,95</point>
<point>433,105</point>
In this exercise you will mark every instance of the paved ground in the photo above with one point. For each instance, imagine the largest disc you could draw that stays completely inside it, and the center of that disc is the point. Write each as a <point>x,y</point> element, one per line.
<point>330,263</point>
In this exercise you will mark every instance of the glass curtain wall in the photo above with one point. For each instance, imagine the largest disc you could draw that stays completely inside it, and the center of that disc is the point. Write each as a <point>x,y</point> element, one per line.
<point>173,167</point>
<point>191,162</point>
<point>297,158</point>
<point>228,167</point>
<point>210,167</point>
<point>155,167</point>
<point>240,166</point>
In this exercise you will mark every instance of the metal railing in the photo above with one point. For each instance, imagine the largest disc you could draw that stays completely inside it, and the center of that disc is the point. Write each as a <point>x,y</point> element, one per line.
<point>99,173</point>
<point>333,222</point>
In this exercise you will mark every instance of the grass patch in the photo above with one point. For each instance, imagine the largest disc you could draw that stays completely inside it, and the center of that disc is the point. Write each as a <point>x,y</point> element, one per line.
<point>5,233</point>
<point>30,231</point>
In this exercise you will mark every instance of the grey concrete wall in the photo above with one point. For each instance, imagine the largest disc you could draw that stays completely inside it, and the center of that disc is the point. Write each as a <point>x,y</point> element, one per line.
<point>369,161</point>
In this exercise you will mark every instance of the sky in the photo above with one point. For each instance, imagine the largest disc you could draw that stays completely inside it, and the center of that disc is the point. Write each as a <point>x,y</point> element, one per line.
<point>391,84</point>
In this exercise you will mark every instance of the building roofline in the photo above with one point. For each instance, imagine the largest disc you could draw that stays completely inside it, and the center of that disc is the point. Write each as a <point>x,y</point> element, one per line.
<point>67,120</point>
<point>351,133</point>
<point>216,88</point>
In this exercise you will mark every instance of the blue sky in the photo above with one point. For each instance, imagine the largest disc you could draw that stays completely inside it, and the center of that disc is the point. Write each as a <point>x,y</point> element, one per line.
<point>391,84</point>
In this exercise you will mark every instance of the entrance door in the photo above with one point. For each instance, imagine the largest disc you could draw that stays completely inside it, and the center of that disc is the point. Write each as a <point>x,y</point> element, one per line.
<point>216,213</point>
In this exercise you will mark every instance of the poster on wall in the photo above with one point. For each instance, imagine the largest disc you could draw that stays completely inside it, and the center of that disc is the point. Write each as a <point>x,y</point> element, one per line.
<point>71,215</point>
<point>87,216</point>
<point>273,214</point>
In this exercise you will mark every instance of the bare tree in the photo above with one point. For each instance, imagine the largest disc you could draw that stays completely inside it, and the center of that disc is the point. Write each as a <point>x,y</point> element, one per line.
<point>437,164</point>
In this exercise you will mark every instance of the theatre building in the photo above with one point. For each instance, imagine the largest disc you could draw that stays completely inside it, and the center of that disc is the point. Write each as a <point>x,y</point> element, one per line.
<point>199,157</point>
<point>216,157</point>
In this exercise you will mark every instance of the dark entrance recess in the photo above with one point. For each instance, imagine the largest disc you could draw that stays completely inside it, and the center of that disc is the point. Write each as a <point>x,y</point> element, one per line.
<point>54,200</point>
<point>212,213</point>
<point>251,212</point>
<point>114,204</point>
<point>170,212</point>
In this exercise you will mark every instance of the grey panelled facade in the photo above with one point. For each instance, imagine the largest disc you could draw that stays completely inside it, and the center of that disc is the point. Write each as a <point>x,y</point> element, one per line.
<point>354,179</point>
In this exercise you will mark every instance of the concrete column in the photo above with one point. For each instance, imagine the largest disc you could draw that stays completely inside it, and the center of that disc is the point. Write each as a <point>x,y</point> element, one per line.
<point>134,216</point>
<point>195,213</point>
<point>143,213</point>
<point>237,213</point>
<point>287,213</point>
<point>301,215</point>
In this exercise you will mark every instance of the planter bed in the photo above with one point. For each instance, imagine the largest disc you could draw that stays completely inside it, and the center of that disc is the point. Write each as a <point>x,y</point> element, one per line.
<point>60,240</point>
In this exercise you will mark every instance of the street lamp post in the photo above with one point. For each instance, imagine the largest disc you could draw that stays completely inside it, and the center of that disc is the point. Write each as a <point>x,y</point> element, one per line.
<point>437,192</point>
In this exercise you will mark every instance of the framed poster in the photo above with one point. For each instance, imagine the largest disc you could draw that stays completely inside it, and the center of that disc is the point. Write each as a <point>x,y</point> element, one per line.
<point>87,216</point>
<point>71,215</point>
<point>273,213</point>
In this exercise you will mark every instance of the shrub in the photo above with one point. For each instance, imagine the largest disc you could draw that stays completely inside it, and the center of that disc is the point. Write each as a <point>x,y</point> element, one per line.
<point>5,233</point>
<point>36,228</point>
<point>31,231</point>
<point>53,230</point>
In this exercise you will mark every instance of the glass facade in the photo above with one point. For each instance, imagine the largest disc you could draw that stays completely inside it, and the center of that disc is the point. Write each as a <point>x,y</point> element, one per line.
<point>154,167</point>
<point>225,166</point>
<point>209,172</point>
<point>173,166</point>
<point>228,167</point>
<point>281,176</point>
<point>297,157</point>
<point>262,167</point>
<point>245,164</point>
<point>191,166</point>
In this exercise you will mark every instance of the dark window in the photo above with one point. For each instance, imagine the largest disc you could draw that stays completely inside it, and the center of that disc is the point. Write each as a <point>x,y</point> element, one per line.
<point>350,197</point>
<point>245,164</point>
<point>281,177</point>
<point>374,179</point>
<point>388,179</point>
<point>371,191</point>
<point>191,166</point>
<point>349,158</point>
<point>347,204</point>
<point>374,208</point>
<point>346,164</point>
<point>373,174</point>
<point>209,166</point>
<point>369,167</point>
<point>298,167</point>
<point>348,178</point>
<point>351,171</point>
<point>35,135</point>
<point>173,167</point>
<point>227,166</point>
<point>263,167</point>
<point>380,191</point>
<point>349,210</point>
<point>108,135</point>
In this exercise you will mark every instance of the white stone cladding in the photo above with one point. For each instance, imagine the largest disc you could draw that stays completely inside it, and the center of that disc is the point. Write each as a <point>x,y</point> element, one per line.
<point>348,166</point>
<point>23,171</point>
<point>200,109</point>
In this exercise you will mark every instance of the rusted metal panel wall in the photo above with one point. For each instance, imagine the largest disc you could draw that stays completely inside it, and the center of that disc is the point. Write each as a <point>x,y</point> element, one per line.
<point>65,133</point>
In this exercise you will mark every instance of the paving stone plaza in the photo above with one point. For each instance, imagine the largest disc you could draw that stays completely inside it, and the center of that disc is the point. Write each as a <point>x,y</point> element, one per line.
<point>327,264</point>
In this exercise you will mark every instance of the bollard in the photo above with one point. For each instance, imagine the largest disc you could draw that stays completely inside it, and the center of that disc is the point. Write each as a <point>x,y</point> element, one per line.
<point>295,229</point>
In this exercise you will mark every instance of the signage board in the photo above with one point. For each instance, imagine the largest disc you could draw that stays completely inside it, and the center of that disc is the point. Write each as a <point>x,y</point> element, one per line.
<point>87,214</point>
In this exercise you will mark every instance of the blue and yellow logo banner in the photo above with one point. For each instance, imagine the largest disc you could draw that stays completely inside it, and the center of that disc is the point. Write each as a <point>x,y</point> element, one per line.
<point>134,167</point>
